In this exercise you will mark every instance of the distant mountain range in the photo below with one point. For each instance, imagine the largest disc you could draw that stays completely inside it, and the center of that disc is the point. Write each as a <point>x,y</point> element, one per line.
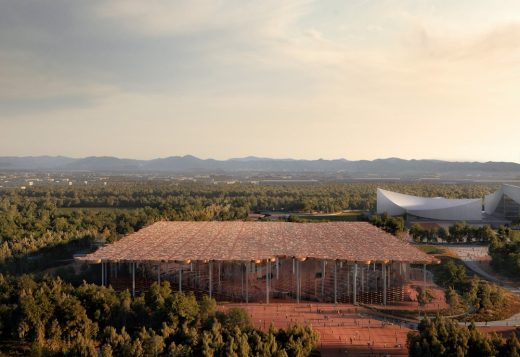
<point>187,164</point>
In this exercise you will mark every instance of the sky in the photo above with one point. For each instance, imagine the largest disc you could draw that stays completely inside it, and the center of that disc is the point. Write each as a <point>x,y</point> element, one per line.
<point>356,79</point>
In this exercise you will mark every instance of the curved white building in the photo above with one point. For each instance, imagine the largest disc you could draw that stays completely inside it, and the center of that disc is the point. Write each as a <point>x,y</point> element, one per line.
<point>505,202</point>
<point>438,208</point>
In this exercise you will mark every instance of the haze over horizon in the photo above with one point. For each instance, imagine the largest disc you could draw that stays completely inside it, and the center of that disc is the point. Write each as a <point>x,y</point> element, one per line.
<point>253,157</point>
<point>294,79</point>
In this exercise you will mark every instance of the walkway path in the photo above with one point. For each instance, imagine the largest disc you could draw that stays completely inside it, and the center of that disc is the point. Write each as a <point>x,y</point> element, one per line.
<point>472,256</point>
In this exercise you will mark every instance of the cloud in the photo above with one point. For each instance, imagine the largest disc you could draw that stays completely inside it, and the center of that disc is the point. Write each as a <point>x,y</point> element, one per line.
<point>476,64</point>
<point>141,46</point>
<point>498,43</point>
<point>267,48</point>
<point>26,86</point>
<point>237,67</point>
<point>178,18</point>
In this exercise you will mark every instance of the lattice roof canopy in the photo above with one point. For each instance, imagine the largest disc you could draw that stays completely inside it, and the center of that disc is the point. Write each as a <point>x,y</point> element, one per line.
<point>248,241</point>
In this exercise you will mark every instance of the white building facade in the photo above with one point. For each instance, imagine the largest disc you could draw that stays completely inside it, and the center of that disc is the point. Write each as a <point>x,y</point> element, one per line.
<point>435,208</point>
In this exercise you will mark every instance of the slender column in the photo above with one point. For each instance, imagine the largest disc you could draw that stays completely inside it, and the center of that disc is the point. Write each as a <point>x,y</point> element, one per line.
<point>133,279</point>
<point>277,268</point>
<point>180,280</point>
<point>241,281</point>
<point>197,275</point>
<point>368,278</point>
<point>389,271</point>
<point>335,282</point>
<point>293,267</point>
<point>159,273</point>
<point>267,273</point>
<point>247,282</point>
<point>362,280</point>
<point>367,288</point>
<point>219,279</point>
<point>298,281</point>
<point>102,274</point>
<point>322,278</point>
<point>348,280</point>
<point>355,283</point>
<point>210,283</point>
<point>295,273</point>
<point>383,271</point>
<point>300,278</point>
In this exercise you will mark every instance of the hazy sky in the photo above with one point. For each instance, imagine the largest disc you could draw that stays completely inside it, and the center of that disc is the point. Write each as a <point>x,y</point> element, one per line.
<point>326,79</point>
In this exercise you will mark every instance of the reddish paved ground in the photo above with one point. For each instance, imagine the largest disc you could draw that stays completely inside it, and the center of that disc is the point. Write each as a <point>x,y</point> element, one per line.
<point>345,330</point>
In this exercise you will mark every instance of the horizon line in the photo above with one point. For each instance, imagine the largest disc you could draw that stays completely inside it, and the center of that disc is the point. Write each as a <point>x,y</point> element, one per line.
<point>253,157</point>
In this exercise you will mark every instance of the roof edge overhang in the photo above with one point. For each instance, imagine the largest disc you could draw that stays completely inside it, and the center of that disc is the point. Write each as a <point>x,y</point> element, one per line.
<point>89,260</point>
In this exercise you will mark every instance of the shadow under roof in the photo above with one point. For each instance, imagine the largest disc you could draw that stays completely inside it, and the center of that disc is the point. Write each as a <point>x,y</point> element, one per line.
<point>248,241</point>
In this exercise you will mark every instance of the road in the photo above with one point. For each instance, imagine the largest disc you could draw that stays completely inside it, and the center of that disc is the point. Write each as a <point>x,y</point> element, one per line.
<point>471,256</point>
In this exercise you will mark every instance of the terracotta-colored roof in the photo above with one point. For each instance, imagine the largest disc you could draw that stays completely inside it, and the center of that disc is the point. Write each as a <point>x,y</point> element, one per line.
<point>246,241</point>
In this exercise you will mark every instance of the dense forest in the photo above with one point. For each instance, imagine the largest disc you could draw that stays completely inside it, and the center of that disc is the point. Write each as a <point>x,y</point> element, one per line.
<point>466,292</point>
<point>504,242</point>
<point>506,255</point>
<point>323,197</point>
<point>44,221</point>
<point>445,337</point>
<point>393,225</point>
<point>459,232</point>
<point>49,317</point>
<point>42,227</point>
